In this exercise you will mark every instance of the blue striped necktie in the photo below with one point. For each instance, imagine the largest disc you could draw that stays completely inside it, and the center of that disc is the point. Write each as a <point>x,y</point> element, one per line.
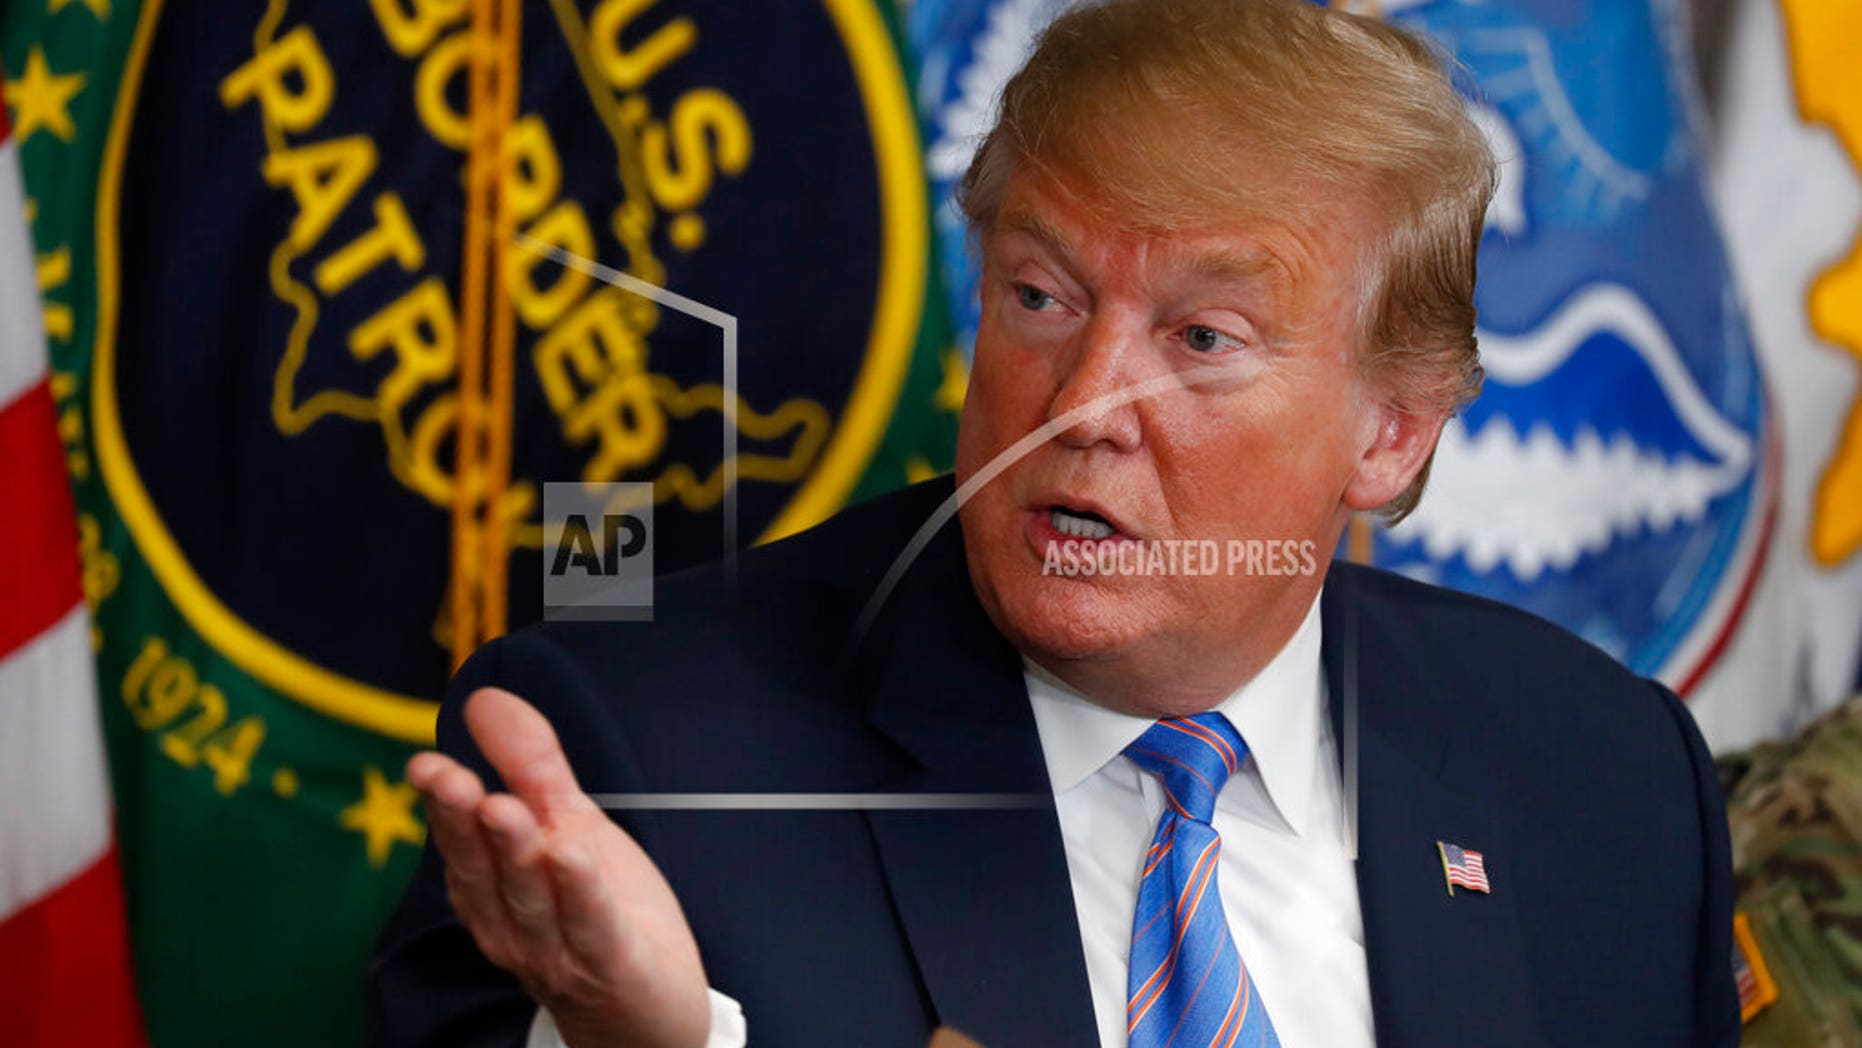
<point>1187,986</point>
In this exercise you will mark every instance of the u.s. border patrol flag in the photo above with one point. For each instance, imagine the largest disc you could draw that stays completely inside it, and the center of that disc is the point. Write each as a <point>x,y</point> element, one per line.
<point>331,286</point>
<point>1788,176</point>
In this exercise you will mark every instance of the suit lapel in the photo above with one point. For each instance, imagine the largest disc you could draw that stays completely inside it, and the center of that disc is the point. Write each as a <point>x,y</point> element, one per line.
<point>1442,968</point>
<point>983,895</point>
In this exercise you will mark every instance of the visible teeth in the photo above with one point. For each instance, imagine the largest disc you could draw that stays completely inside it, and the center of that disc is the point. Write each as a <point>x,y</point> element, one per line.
<point>1078,527</point>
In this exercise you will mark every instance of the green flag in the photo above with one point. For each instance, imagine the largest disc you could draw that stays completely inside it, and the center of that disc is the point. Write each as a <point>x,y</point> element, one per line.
<point>329,298</point>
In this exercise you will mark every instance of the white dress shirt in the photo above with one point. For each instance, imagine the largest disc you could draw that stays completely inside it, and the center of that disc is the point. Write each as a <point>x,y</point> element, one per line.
<point>1286,877</point>
<point>1287,881</point>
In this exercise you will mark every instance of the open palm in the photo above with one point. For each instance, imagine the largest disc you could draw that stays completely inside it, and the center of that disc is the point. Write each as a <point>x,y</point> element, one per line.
<point>557,894</point>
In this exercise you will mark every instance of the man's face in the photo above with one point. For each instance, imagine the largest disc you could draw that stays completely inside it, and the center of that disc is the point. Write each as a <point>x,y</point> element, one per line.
<point>1253,425</point>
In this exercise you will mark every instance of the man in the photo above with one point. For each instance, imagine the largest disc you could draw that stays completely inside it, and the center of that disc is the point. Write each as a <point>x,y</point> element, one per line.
<point>1178,797</point>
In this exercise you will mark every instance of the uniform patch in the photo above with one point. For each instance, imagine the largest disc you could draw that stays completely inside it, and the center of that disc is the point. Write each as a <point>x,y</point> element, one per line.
<point>1756,988</point>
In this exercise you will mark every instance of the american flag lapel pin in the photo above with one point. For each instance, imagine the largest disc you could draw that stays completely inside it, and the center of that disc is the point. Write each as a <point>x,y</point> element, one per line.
<point>1462,866</point>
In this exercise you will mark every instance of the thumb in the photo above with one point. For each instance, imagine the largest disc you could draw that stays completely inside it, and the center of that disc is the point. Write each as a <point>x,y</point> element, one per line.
<point>522,746</point>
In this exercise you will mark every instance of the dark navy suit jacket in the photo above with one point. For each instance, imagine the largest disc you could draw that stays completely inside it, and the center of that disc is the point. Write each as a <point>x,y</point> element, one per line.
<point>1586,788</point>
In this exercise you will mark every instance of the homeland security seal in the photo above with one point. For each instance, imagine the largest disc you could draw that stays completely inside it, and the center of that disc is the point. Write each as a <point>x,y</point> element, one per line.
<point>1619,473</point>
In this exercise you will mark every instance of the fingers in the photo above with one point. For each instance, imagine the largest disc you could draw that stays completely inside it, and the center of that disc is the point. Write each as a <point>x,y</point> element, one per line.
<point>496,855</point>
<point>453,795</point>
<point>522,746</point>
<point>523,885</point>
<point>494,851</point>
<point>571,906</point>
<point>529,872</point>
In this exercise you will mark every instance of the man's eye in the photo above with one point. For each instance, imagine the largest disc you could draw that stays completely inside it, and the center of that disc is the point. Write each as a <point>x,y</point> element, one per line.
<point>1033,297</point>
<point>1208,340</point>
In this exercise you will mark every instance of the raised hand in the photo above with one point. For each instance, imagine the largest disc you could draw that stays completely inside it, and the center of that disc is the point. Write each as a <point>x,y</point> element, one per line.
<point>557,894</point>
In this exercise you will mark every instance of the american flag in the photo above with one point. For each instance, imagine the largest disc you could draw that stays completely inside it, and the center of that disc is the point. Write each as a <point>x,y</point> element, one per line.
<point>1463,867</point>
<point>64,941</point>
<point>1743,978</point>
<point>1756,988</point>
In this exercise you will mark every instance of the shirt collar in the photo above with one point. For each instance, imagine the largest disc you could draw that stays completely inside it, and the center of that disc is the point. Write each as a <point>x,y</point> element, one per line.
<point>1278,714</point>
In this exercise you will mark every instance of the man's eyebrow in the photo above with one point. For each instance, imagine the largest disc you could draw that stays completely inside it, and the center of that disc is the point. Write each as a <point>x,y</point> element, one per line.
<point>1022,220</point>
<point>1233,266</point>
<point>1222,265</point>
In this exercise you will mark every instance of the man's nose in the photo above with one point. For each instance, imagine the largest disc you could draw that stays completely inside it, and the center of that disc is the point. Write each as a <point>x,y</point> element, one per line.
<point>1095,402</point>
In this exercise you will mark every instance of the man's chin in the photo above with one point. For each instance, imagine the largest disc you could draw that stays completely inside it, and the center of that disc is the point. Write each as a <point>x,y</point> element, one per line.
<point>1070,621</point>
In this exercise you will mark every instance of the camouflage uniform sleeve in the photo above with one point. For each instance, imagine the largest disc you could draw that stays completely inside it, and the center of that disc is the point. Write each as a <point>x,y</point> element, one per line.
<point>1795,810</point>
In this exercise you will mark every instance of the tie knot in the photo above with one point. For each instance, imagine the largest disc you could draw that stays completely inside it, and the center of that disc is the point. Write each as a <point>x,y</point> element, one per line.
<point>1193,756</point>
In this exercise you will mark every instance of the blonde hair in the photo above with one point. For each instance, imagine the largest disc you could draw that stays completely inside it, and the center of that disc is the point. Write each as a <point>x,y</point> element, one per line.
<point>1151,105</point>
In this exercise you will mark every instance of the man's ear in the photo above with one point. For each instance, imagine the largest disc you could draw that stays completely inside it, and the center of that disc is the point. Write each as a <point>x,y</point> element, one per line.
<point>1397,448</point>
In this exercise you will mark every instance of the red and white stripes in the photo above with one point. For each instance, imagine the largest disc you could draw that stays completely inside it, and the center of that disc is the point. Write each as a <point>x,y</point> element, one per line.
<point>64,945</point>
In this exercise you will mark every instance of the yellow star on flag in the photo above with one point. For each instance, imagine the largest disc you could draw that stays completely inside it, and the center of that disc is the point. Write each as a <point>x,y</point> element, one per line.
<point>42,99</point>
<point>919,468</point>
<point>956,382</point>
<point>384,815</point>
<point>100,8</point>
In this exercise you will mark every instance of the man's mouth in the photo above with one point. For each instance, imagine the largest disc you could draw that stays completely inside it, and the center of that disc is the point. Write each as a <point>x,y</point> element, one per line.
<point>1079,524</point>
